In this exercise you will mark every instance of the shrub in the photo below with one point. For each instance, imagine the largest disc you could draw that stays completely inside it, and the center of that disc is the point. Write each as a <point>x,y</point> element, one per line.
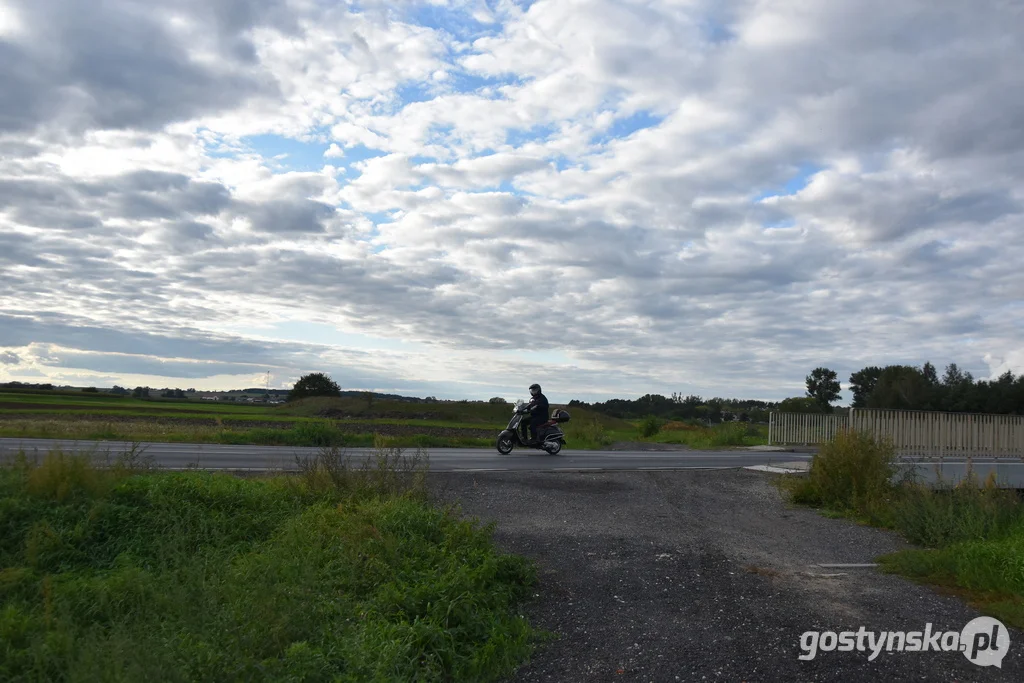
<point>314,384</point>
<point>852,473</point>
<point>650,426</point>
<point>966,512</point>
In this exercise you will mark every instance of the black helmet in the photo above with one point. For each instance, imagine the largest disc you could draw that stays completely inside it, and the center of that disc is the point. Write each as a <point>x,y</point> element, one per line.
<point>534,389</point>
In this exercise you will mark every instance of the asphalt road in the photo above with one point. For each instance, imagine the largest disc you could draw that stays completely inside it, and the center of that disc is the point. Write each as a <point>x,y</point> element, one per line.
<point>220,457</point>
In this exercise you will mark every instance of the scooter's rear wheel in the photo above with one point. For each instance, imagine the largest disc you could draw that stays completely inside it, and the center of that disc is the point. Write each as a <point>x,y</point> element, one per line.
<point>505,444</point>
<point>553,447</point>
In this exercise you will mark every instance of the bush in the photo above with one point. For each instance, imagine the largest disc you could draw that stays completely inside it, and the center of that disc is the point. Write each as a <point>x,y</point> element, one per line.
<point>852,473</point>
<point>314,384</point>
<point>650,426</point>
<point>208,577</point>
<point>967,512</point>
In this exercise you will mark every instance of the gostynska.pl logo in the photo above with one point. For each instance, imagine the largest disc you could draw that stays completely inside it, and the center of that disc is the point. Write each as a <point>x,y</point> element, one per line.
<point>984,641</point>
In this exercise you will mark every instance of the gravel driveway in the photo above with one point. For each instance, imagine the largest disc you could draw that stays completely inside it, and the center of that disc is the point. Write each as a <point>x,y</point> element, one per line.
<point>704,575</point>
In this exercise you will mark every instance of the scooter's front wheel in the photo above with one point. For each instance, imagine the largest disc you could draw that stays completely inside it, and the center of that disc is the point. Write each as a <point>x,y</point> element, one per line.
<point>505,444</point>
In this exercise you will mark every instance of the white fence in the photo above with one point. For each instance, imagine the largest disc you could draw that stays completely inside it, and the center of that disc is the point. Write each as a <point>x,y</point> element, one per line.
<point>803,428</point>
<point>913,433</point>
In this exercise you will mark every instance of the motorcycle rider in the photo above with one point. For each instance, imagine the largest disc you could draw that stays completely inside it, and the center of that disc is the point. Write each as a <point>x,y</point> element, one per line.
<point>538,408</point>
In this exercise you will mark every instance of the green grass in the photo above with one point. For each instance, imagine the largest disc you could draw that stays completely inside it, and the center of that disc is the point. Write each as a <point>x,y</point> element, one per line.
<point>92,416</point>
<point>9,399</point>
<point>354,422</point>
<point>970,537</point>
<point>701,437</point>
<point>335,574</point>
<point>301,434</point>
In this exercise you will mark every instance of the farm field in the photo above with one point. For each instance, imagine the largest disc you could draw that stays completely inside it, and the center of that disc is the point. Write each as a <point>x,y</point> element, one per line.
<point>323,421</point>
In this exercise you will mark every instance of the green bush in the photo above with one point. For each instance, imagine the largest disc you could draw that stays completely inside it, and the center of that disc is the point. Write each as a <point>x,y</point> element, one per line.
<point>967,512</point>
<point>973,535</point>
<point>852,473</point>
<point>650,426</point>
<point>339,573</point>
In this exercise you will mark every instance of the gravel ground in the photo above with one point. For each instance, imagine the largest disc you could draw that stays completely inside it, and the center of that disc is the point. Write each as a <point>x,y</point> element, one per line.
<point>704,576</point>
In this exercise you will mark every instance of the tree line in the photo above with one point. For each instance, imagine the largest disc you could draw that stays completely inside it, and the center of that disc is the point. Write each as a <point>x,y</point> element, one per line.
<point>683,408</point>
<point>907,387</point>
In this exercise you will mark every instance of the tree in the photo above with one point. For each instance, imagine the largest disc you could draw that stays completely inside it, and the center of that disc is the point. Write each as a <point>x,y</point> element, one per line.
<point>900,387</point>
<point>314,384</point>
<point>498,399</point>
<point>823,387</point>
<point>141,392</point>
<point>801,404</point>
<point>930,375</point>
<point>862,385</point>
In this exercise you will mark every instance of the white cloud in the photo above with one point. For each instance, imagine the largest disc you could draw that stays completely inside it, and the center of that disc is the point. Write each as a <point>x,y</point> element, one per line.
<point>688,196</point>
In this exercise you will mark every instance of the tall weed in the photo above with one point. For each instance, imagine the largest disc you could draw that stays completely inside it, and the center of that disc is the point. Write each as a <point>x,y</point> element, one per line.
<point>587,433</point>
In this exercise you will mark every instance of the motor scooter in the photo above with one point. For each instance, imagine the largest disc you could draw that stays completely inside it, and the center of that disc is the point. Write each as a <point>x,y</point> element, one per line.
<point>550,437</point>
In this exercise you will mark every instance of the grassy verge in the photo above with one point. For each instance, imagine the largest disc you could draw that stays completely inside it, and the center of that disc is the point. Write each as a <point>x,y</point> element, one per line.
<point>698,436</point>
<point>970,537</point>
<point>338,573</point>
<point>305,433</point>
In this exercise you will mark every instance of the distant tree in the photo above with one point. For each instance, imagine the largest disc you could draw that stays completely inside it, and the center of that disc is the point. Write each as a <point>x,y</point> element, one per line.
<point>141,392</point>
<point>801,404</point>
<point>900,387</point>
<point>91,390</point>
<point>314,384</point>
<point>954,376</point>
<point>862,384</point>
<point>498,399</point>
<point>823,387</point>
<point>930,375</point>
<point>120,391</point>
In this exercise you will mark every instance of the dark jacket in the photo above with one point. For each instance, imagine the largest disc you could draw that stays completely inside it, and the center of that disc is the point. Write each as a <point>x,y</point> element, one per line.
<point>539,408</point>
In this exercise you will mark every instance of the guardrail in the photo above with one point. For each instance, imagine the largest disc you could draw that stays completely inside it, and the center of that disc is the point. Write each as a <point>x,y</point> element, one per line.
<point>924,434</point>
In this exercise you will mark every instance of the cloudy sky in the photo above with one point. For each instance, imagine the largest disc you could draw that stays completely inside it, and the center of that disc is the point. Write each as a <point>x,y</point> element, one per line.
<point>460,198</point>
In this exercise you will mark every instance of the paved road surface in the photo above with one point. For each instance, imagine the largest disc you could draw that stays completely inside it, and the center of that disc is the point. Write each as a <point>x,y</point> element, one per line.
<point>216,456</point>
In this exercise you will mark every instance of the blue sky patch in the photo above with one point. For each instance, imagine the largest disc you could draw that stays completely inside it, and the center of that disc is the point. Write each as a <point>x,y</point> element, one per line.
<point>378,217</point>
<point>631,124</point>
<point>794,184</point>
<point>299,156</point>
<point>775,225</point>
<point>715,32</point>
<point>623,128</point>
<point>459,24</point>
<point>464,82</point>
<point>409,93</point>
<point>520,136</point>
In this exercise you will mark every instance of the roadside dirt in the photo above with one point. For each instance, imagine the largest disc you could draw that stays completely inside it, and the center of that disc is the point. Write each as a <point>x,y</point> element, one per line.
<point>704,576</point>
